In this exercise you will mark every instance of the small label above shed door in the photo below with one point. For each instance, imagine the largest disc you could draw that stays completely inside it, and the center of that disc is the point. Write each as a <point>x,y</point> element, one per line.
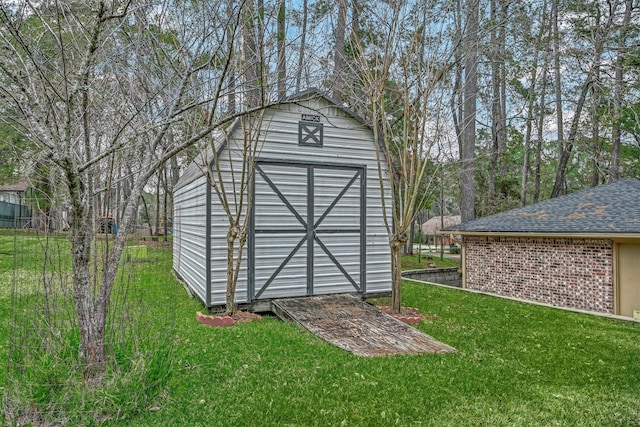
<point>311,118</point>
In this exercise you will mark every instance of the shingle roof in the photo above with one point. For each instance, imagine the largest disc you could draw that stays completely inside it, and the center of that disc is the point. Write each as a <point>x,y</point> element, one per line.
<point>610,208</point>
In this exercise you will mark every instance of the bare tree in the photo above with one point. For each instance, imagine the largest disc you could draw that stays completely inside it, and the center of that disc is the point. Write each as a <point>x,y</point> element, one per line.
<point>403,85</point>
<point>231,185</point>
<point>98,84</point>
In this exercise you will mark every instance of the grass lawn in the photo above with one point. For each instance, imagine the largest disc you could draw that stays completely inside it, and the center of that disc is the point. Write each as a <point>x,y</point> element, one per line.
<point>517,364</point>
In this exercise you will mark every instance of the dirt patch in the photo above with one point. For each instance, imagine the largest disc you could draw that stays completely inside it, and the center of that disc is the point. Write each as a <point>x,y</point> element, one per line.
<point>245,317</point>
<point>223,320</point>
<point>407,314</point>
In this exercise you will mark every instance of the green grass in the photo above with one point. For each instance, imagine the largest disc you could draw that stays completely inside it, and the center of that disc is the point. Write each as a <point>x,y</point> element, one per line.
<point>411,262</point>
<point>45,369</point>
<point>517,364</point>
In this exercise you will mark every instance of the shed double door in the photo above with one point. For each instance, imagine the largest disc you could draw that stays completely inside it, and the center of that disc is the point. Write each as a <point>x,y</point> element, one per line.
<point>307,233</point>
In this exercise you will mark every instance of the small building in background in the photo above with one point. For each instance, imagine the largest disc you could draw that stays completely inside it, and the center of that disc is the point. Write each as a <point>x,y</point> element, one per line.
<point>580,251</point>
<point>14,213</point>
<point>432,227</point>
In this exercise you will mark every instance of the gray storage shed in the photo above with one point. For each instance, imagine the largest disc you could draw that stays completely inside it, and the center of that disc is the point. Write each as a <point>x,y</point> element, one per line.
<point>317,217</point>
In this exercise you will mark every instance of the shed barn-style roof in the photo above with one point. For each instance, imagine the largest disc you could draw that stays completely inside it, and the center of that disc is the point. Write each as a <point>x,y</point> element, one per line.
<point>607,209</point>
<point>199,165</point>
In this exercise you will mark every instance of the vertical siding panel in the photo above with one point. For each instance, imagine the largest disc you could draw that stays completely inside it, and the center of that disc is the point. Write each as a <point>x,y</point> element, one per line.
<point>189,235</point>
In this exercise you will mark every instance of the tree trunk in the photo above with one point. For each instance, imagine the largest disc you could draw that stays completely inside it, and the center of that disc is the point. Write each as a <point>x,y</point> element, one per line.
<point>527,136</point>
<point>561,170</point>
<point>557,83</point>
<point>531,107</point>
<point>468,125</point>
<point>251,55</point>
<point>303,43</point>
<point>396,245</point>
<point>338,60</point>
<point>146,212</point>
<point>232,235</point>
<point>410,242</point>
<point>618,92</point>
<point>456,96</point>
<point>231,51</point>
<point>165,207</point>
<point>498,122</point>
<point>157,207</point>
<point>542,106</point>
<point>91,317</point>
<point>260,57</point>
<point>441,221</point>
<point>595,129</point>
<point>282,39</point>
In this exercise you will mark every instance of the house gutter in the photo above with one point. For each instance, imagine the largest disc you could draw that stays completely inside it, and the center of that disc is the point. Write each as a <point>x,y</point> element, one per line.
<point>598,236</point>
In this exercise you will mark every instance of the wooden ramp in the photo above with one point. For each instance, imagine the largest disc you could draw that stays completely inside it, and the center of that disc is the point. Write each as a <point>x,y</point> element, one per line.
<point>353,325</point>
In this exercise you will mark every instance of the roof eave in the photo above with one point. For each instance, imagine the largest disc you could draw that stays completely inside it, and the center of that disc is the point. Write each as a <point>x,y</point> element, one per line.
<point>571,235</point>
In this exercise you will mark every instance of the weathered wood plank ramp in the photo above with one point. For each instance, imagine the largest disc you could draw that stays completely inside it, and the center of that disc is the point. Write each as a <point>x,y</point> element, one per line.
<point>353,325</point>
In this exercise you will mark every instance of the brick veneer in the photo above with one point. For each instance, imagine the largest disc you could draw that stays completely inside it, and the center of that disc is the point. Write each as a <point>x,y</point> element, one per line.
<point>576,273</point>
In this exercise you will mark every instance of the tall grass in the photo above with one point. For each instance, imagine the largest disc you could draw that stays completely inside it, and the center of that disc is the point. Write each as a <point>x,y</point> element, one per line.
<point>45,379</point>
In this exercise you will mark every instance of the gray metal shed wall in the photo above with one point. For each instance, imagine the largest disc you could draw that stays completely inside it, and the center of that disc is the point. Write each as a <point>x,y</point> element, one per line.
<point>189,235</point>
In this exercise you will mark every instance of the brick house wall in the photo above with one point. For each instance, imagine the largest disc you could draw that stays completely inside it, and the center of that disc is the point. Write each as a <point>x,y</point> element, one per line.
<point>575,273</point>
